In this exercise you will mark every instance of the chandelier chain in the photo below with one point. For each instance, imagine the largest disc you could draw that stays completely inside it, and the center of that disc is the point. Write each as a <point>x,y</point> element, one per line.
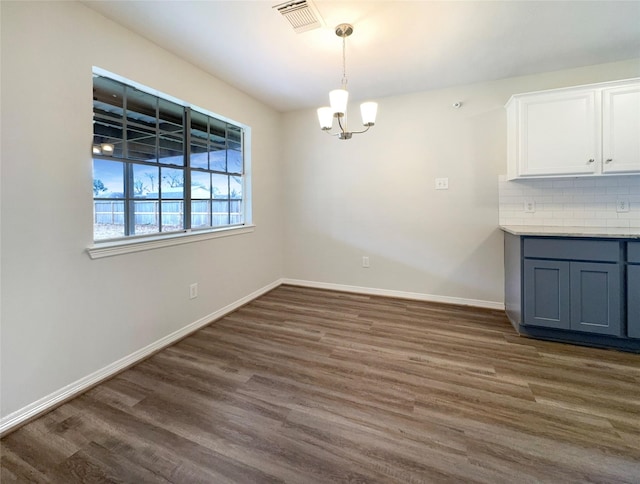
<point>344,62</point>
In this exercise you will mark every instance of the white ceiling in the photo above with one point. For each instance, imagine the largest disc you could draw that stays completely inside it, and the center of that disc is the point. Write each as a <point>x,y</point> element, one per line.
<point>397,46</point>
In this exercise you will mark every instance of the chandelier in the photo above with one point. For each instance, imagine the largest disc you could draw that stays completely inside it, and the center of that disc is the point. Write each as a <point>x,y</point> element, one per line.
<point>338,99</point>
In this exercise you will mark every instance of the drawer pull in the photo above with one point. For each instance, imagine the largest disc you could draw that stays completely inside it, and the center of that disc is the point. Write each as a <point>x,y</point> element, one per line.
<point>608,160</point>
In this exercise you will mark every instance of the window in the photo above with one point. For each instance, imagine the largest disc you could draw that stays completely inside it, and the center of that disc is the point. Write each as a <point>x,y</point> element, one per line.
<point>160,166</point>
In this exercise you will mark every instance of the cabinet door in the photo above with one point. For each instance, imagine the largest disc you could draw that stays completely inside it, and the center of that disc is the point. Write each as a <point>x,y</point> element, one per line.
<point>546,293</point>
<point>633,301</point>
<point>621,129</point>
<point>559,134</point>
<point>595,298</point>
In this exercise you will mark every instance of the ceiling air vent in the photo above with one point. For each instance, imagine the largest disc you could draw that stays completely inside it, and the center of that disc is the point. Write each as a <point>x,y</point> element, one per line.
<point>301,14</point>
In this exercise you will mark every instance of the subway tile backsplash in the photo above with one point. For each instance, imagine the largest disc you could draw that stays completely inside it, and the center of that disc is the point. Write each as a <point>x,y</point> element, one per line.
<point>571,202</point>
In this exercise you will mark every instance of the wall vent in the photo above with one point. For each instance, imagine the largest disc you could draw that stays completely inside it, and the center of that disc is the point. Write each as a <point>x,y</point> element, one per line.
<point>301,14</point>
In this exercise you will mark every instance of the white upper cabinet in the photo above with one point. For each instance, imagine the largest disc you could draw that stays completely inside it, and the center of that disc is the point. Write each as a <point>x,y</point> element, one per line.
<point>582,131</point>
<point>621,129</point>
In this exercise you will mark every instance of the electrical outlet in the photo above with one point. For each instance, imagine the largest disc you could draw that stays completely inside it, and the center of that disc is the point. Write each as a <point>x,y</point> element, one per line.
<point>622,206</point>
<point>442,183</point>
<point>365,261</point>
<point>193,290</point>
<point>529,206</point>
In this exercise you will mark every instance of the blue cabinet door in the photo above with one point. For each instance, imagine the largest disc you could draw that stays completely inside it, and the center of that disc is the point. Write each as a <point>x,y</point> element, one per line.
<point>546,293</point>
<point>596,298</point>
<point>633,301</point>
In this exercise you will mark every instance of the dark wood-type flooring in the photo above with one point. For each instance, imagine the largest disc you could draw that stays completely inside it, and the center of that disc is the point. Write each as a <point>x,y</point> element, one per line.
<point>305,386</point>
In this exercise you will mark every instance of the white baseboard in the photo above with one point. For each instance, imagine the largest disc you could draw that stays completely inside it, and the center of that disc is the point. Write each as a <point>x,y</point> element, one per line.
<point>73,389</point>
<point>399,294</point>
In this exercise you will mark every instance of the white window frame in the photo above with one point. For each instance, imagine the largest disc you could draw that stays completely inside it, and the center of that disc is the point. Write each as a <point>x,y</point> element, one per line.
<point>136,243</point>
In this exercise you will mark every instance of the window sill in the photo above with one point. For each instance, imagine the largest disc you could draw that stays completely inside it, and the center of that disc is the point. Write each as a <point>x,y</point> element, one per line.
<point>120,247</point>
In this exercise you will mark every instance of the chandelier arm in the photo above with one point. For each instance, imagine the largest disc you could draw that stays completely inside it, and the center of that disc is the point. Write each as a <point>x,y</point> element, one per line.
<point>363,131</point>
<point>342,128</point>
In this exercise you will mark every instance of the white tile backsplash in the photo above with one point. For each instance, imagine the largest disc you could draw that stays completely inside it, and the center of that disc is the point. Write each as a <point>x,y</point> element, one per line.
<point>570,202</point>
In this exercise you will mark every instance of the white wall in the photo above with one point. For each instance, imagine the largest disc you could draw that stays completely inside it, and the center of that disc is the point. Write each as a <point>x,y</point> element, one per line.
<point>65,316</point>
<point>374,195</point>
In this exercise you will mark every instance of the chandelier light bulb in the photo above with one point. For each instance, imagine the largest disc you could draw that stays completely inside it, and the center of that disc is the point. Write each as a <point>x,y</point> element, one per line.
<point>369,111</point>
<point>325,117</point>
<point>338,99</point>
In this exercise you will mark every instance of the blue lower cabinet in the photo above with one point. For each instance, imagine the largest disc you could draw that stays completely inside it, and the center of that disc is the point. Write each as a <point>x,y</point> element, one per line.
<point>633,301</point>
<point>573,284</point>
<point>583,290</point>
<point>546,293</point>
<point>579,296</point>
<point>596,298</point>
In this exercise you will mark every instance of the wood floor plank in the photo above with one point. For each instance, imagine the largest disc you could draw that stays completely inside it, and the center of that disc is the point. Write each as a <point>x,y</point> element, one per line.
<point>16,468</point>
<point>311,386</point>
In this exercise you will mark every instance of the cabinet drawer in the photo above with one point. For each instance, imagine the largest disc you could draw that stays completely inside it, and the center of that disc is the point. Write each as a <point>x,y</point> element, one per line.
<point>572,249</point>
<point>633,252</point>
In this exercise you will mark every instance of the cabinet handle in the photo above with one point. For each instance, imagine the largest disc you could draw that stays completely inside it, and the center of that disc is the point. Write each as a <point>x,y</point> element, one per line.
<point>590,161</point>
<point>608,160</point>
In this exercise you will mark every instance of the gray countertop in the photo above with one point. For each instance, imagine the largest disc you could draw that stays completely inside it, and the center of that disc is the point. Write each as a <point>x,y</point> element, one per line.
<point>551,231</point>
